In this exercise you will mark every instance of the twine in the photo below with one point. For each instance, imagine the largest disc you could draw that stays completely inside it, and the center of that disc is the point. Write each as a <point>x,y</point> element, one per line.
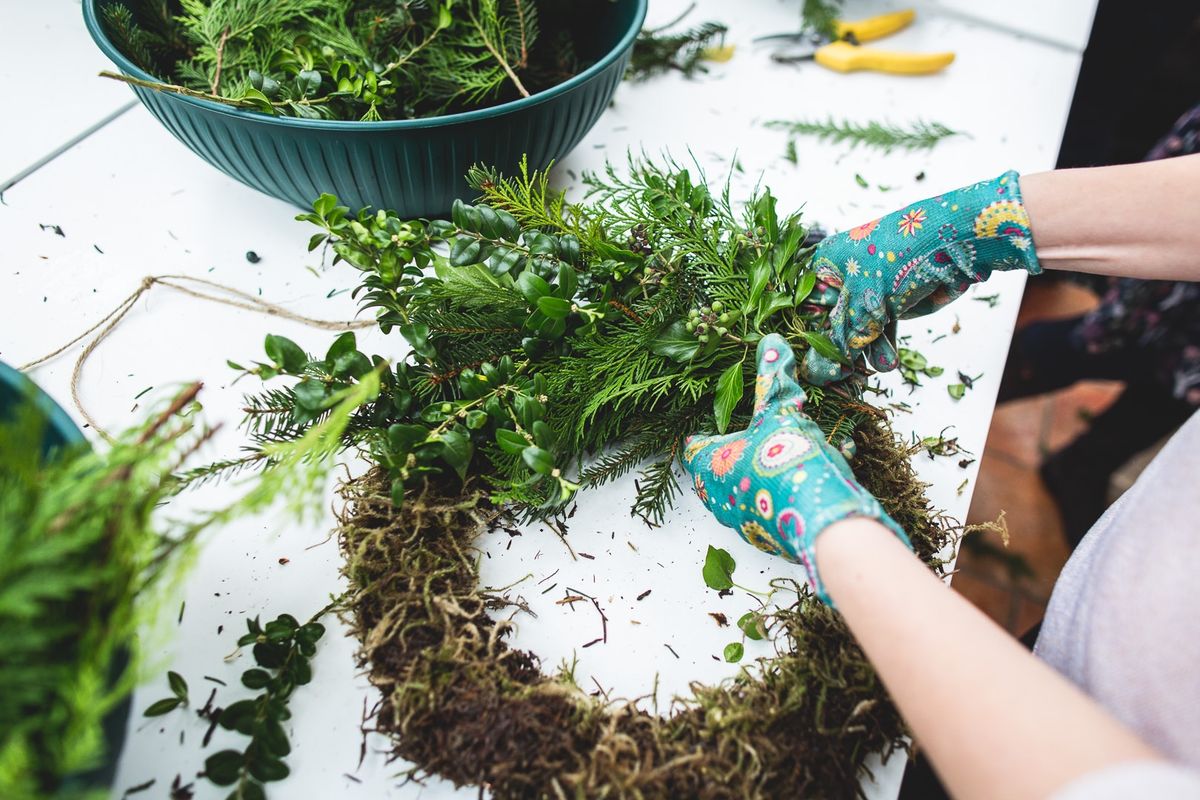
<point>234,298</point>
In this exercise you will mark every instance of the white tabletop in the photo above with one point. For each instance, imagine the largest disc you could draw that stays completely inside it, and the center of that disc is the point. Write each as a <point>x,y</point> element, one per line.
<point>132,201</point>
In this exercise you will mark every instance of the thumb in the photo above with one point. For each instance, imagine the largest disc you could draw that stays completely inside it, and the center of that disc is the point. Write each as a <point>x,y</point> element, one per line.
<point>776,383</point>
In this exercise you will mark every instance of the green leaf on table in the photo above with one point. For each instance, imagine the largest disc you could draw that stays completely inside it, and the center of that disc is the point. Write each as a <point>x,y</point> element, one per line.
<point>718,569</point>
<point>957,390</point>
<point>164,706</point>
<point>223,768</point>
<point>751,625</point>
<point>734,652</point>
<point>178,685</point>
<point>729,393</point>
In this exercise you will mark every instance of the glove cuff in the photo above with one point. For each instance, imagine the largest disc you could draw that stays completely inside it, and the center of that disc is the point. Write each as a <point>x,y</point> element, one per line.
<point>857,503</point>
<point>998,225</point>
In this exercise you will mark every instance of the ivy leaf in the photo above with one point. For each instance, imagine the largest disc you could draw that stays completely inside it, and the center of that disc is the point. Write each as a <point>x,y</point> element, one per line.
<point>825,346</point>
<point>734,652</point>
<point>749,623</point>
<point>718,569</point>
<point>729,394</point>
<point>675,343</point>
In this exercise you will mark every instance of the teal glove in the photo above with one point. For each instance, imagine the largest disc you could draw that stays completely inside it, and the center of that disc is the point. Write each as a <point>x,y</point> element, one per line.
<point>912,262</point>
<point>779,483</point>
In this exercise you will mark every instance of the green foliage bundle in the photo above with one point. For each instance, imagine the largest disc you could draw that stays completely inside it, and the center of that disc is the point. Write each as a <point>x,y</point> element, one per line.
<point>85,552</point>
<point>350,59</point>
<point>551,339</point>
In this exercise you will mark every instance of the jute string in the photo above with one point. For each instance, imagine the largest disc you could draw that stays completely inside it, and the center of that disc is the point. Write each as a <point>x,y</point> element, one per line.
<point>225,295</point>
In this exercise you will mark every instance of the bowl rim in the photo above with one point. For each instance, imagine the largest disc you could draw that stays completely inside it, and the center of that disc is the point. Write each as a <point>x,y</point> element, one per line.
<point>57,420</point>
<point>95,29</point>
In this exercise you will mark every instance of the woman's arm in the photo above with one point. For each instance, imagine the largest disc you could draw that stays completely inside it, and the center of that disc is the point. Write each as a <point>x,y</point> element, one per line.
<point>994,720</point>
<point>1136,220</point>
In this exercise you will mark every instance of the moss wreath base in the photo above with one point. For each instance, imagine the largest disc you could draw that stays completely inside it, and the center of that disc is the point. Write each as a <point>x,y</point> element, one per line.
<point>458,702</point>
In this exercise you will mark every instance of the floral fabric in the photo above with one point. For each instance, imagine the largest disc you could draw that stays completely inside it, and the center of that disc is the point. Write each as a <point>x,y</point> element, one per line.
<point>779,483</point>
<point>1159,318</point>
<point>913,261</point>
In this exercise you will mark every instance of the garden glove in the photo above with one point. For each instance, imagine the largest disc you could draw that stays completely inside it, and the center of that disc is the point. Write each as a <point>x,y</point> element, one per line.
<point>779,483</point>
<point>910,263</point>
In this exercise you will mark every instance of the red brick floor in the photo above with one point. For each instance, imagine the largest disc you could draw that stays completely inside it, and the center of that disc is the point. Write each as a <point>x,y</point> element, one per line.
<point>1013,584</point>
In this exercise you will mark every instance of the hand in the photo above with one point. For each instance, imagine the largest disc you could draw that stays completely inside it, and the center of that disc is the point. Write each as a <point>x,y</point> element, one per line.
<point>910,263</point>
<point>779,483</point>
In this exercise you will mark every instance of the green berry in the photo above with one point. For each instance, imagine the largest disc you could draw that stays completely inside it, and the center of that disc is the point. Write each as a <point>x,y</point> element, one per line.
<point>722,331</point>
<point>703,338</point>
<point>691,327</point>
<point>693,313</point>
<point>705,310</point>
<point>718,305</point>
<point>723,319</point>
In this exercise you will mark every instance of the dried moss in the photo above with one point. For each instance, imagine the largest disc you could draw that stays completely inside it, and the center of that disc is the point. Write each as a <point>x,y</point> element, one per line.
<point>459,703</point>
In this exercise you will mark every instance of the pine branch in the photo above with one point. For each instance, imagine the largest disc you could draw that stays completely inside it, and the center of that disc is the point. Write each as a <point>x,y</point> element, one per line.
<point>880,135</point>
<point>656,52</point>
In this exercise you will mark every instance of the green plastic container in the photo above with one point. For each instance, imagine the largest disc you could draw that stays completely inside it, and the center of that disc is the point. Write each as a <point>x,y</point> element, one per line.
<point>60,432</point>
<point>415,167</point>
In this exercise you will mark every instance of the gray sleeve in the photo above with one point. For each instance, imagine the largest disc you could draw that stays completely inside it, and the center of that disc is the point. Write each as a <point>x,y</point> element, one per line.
<point>1156,779</point>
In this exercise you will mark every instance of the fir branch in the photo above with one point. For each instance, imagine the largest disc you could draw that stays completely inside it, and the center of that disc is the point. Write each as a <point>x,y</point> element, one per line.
<point>656,51</point>
<point>880,135</point>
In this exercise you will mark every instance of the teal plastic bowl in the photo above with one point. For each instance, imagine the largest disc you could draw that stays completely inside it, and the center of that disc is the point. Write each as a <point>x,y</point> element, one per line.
<point>16,390</point>
<point>61,433</point>
<point>415,167</point>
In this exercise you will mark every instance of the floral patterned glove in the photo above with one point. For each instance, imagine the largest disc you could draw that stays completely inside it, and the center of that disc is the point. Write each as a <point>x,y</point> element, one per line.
<point>779,483</point>
<point>912,262</point>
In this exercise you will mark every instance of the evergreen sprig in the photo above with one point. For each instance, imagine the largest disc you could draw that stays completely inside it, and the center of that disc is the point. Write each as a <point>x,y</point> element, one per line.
<point>880,135</point>
<point>657,50</point>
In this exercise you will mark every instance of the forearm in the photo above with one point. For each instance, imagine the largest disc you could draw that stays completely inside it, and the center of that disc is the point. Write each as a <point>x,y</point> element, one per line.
<point>994,720</point>
<point>1135,220</point>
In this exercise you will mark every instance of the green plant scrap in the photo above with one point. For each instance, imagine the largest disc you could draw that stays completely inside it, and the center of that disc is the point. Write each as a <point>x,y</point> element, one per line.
<point>919,135</point>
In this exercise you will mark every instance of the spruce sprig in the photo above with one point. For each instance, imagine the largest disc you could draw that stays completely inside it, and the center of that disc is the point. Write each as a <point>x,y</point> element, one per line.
<point>880,135</point>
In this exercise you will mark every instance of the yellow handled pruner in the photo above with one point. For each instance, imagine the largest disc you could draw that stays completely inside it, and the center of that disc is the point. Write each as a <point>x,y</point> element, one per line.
<point>845,52</point>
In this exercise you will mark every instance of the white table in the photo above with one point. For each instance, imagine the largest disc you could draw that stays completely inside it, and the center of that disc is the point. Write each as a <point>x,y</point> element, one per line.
<point>132,202</point>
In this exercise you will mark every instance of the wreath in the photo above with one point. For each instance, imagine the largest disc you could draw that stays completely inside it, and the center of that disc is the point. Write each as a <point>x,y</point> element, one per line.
<point>557,346</point>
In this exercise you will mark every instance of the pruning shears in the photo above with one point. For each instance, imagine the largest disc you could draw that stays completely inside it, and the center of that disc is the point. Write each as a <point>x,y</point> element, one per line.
<point>844,53</point>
